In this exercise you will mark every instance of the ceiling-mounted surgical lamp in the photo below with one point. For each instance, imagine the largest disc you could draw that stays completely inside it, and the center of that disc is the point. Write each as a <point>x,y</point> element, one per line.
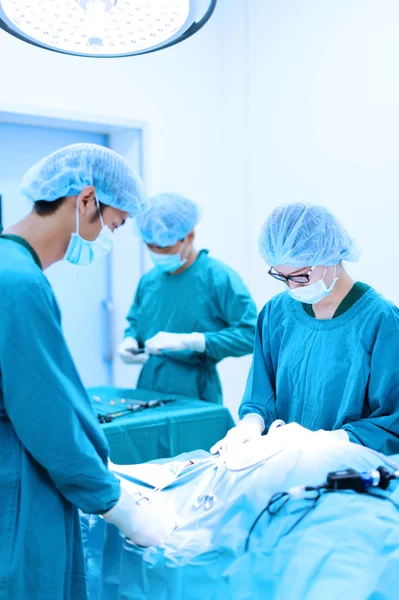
<point>104,28</point>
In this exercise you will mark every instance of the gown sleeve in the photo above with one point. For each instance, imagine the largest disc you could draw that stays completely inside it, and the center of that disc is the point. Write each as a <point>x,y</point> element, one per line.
<point>237,309</point>
<point>379,429</point>
<point>259,396</point>
<point>132,317</point>
<point>47,404</point>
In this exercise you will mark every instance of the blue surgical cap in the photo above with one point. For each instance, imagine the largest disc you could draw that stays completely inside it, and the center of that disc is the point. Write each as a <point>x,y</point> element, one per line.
<point>171,217</point>
<point>69,170</point>
<point>305,235</point>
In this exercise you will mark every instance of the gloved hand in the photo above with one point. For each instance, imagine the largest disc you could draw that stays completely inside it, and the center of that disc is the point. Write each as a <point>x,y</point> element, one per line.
<point>127,351</point>
<point>248,429</point>
<point>275,425</point>
<point>145,524</point>
<point>295,433</point>
<point>175,342</point>
<point>338,434</point>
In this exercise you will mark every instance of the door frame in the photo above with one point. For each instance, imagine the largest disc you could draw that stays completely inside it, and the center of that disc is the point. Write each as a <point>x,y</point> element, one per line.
<point>129,138</point>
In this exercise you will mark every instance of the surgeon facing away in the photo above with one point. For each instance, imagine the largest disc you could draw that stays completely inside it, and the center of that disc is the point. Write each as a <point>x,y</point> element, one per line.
<point>190,311</point>
<point>326,349</point>
<point>54,454</point>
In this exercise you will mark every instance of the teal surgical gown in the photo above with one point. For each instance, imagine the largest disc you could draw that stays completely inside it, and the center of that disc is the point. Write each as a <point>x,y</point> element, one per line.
<point>53,453</point>
<point>336,374</point>
<point>208,298</point>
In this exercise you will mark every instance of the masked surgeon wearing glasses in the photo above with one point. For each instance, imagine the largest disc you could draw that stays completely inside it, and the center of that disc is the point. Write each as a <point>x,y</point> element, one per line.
<point>327,348</point>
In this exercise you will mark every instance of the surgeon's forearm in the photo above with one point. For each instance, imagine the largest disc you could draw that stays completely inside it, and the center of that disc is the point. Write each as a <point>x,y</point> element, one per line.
<point>374,433</point>
<point>131,331</point>
<point>353,438</point>
<point>92,487</point>
<point>230,342</point>
<point>189,357</point>
<point>56,436</point>
<point>250,408</point>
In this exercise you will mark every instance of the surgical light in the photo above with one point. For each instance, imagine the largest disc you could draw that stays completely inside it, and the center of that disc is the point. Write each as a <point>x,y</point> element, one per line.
<point>104,28</point>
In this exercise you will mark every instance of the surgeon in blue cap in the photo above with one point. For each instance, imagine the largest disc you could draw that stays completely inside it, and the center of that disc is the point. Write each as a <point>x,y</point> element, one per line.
<point>326,349</point>
<point>190,311</point>
<point>54,454</point>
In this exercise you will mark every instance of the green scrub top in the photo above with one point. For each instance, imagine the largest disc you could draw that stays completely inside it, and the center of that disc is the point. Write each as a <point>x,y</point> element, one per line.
<point>19,240</point>
<point>332,374</point>
<point>54,452</point>
<point>357,291</point>
<point>208,297</point>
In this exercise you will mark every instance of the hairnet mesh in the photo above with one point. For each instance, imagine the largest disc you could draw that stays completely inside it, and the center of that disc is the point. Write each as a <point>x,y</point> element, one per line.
<point>69,170</point>
<point>305,235</point>
<point>171,217</point>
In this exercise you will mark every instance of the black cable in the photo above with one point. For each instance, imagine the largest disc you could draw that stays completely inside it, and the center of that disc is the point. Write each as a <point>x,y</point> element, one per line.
<point>280,496</point>
<point>320,491</point>
<point>284,497</point>
<point>305,514</point>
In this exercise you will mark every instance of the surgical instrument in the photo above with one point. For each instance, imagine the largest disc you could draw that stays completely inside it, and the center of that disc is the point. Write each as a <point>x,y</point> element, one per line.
<point>108,418</point>
<point>209,499</point>
<point>130,408</point>
<point>205,500</point>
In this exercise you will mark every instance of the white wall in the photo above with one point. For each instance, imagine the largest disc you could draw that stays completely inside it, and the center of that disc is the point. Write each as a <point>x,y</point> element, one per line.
<point>310,90</point>
<point>274,101</point>
<point>324,98</point>
<point>318,94</point>
<point>176,92</point>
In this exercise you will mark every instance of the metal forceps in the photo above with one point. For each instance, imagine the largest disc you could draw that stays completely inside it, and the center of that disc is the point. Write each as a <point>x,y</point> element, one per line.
<point>140,498</point>
<point>205,500</point>
<point>209,499</point>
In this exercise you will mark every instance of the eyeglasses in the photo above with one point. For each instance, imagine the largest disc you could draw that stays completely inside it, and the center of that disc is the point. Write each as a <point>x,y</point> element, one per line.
<point>305,278</point>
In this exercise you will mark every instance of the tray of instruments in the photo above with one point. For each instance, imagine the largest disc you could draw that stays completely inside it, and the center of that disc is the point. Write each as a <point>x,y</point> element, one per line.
<point>108,410</point>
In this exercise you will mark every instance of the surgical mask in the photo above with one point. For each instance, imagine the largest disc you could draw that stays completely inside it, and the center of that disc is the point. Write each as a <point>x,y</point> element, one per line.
<point>169,263</point>
<point>82,252</point>
<point>315,292</point>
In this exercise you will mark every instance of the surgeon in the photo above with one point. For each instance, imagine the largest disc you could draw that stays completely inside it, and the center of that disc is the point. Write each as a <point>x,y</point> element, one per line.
<point>54,455</point>
<point>190,311</point>
<point>326,348</point>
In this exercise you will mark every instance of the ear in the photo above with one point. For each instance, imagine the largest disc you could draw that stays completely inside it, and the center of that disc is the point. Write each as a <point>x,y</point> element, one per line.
<point>87,200</point>
<point>191,236</point>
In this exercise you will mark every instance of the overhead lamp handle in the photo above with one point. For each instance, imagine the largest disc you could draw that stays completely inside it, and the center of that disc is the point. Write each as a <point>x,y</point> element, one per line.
<point>108,4</point>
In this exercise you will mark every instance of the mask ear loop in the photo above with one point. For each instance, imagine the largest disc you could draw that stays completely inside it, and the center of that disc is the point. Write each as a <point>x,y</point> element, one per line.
<point>187,253</point>
<point>77,214</point>
<point>322,278</point>
<point>99,210</point>
<point>335,278</point>
<point>335,275</point>
<point>77,217</point>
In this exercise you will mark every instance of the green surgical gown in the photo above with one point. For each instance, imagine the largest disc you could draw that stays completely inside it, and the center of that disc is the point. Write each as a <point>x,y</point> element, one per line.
<point>53,453</point>
<point>336,374</point>
<point>208,298</point>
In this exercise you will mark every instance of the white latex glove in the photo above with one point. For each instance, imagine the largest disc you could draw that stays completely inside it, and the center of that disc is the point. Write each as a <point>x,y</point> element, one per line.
<point>295,433</point>
<point>275,425</point>
<point>248,429</point>
<point>338,434</point>
<point>127,351</point>
<point>145,524</point>
<point>175,342</point>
